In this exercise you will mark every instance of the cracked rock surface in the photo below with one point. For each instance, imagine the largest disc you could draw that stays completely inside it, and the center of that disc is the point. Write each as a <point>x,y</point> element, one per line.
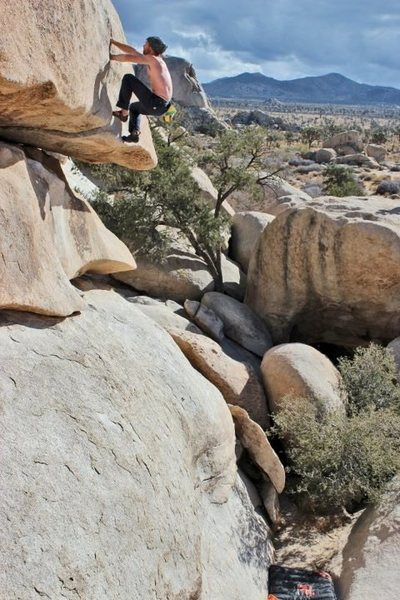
<point>118,474</point>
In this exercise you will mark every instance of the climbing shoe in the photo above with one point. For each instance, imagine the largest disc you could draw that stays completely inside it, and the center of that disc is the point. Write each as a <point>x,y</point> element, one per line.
<point>119,114</point>
<point>132,138</point>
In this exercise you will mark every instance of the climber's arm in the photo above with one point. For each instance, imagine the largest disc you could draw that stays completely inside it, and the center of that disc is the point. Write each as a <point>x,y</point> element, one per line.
<point>124,47</point>
<point>130,54</point>
<point>132,58</point>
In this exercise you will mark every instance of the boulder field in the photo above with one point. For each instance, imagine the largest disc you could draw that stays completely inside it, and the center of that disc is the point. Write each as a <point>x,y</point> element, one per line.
<point>119,473</point>
<point>121,420</point>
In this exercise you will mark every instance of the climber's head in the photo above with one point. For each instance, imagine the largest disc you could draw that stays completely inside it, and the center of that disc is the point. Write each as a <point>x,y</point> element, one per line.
<point>154,45</point>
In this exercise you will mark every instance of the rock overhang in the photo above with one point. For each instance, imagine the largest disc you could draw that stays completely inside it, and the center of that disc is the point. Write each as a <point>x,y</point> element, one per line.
<point>57,85</point>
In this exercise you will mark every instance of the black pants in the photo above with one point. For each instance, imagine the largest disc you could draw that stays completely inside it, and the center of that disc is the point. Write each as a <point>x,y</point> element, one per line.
<point>149,103</point>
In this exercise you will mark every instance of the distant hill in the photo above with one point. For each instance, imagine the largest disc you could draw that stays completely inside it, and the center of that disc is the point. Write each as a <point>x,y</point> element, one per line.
<point>332,88</point>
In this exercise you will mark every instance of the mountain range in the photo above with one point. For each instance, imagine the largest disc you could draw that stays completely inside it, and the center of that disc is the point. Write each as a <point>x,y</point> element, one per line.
<point>332,88</point>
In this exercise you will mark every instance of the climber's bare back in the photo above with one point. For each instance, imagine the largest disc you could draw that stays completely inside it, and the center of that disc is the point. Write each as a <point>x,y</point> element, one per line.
<point>159,77</point>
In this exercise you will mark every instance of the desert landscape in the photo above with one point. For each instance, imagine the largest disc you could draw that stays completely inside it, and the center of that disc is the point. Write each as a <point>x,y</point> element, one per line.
<point>199,318</point>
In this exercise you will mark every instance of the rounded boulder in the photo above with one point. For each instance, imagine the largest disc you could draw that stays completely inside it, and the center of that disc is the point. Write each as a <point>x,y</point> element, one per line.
<point>301,371</point>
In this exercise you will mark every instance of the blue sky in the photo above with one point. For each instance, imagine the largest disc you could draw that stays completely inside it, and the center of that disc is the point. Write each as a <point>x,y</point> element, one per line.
<point>280,38</point>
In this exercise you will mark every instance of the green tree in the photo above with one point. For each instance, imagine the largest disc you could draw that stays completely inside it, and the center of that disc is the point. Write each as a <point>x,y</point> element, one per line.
<point>272,137</point>
<point>289,137</point>
<point>340,181</point>
<point>329,128</point>
<point>167,196</point>
<point>236,162</point>
<point>395,132</point>
<point>147,206</point>
<point>310,135</point>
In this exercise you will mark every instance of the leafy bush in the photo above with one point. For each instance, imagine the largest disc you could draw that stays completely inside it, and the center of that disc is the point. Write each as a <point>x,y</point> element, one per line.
<point>339,460</point>
<point>336,461</point>
<point>340,181</point>
<point>369,378</point>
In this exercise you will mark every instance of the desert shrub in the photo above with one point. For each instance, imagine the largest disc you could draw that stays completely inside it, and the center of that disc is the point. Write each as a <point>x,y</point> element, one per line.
<point>340,181</point>
<point>379,136</point>
<point>337,461</point>
<point>289,137</point>
<point>342,460</point>
<point>369,378</point>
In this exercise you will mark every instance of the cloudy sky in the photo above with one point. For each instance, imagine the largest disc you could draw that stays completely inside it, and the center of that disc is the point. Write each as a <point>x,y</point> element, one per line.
<point>284,39</point>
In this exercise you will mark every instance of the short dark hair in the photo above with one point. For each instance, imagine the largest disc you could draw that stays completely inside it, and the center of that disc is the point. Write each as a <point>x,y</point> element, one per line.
<point>157,45</point>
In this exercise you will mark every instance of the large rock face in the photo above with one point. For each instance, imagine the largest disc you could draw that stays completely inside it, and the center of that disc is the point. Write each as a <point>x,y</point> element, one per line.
<point>48,236</point>
<point>195,112</point>
<point>32,277</point>
<point>376,151</point>
<point>82,242</point>
<point>330,273</point>
<point>118,470</point>
<point>161,313</point>
<point>371,557</point>
<point>358,159</point>
<point>57,85</point>
<point>325,155</point>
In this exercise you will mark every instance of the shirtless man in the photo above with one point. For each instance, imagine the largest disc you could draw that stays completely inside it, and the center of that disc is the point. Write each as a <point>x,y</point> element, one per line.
<point>151,102</point>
